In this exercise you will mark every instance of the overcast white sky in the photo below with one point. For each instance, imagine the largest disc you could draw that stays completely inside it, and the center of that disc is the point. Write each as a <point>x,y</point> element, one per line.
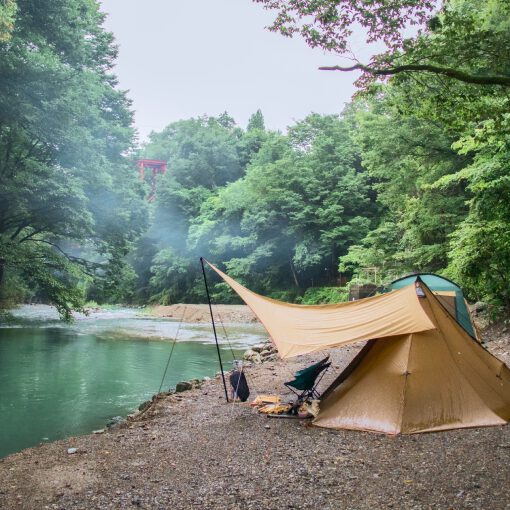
<point>185,58</point>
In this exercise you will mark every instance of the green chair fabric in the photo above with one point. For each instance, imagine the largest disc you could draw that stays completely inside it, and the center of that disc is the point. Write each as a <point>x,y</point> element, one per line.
<point>305,379</point>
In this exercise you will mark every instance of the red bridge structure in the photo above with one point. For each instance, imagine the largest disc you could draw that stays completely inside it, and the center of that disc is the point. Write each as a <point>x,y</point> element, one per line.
<point>156,167</point>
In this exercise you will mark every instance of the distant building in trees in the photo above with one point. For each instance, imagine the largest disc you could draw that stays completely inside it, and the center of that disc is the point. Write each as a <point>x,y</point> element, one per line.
<point>156,167</point>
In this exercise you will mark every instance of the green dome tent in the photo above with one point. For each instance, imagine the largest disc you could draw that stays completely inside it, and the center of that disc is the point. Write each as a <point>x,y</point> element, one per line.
<point>448,293</point>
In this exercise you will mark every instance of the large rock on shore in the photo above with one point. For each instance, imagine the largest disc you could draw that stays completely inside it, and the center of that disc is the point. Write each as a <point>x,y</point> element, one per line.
<point>478,308</point>
<point>183,386</point>
<point>260,353</point>
<point>115,422</point>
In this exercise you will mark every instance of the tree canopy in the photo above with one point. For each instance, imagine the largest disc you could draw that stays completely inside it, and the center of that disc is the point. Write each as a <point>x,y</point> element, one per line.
<point>463,40</point>
<point>8,10</point>
<point>68,199</point>
<point>275,210</point>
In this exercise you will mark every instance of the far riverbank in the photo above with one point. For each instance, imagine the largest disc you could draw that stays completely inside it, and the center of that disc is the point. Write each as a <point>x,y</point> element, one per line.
<point>200,313</point>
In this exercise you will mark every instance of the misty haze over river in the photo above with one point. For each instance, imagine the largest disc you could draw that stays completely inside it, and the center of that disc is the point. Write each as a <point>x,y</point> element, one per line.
<point>59,380</point>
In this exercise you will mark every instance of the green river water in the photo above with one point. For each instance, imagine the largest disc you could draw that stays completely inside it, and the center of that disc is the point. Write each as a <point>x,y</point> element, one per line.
<point>59,380</point>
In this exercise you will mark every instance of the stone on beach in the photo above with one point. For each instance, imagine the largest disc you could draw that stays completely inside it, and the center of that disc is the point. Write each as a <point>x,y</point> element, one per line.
<point>183,386</point>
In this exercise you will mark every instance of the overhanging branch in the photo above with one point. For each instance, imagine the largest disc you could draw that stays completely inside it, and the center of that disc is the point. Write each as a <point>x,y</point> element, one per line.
<point>87,266</point>
<point>504,81</point>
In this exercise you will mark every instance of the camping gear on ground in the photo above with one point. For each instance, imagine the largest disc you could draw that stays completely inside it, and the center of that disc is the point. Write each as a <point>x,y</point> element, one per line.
<point>448,293</point>
<point>307,380</point>
<point>265,399</point>
<point>240,389</point>
<point>420,372</point>
<point>275,408</point>
<point>310,408</point>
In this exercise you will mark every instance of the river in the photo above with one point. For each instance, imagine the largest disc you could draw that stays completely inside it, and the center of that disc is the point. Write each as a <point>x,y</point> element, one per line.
<point>59,380</point>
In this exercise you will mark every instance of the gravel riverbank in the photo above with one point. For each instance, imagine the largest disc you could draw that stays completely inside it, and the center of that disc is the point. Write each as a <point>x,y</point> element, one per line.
<point>191,450</point>
<point>201,313</point>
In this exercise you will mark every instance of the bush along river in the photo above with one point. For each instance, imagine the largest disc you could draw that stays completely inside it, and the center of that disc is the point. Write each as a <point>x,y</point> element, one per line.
<point>59,380</point>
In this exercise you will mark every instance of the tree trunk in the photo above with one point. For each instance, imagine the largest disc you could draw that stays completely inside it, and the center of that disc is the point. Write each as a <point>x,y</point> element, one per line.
<point>293,270</point>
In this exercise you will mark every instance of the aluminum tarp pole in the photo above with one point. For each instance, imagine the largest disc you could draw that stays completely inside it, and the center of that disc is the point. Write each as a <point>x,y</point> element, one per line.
<point>214,329</point>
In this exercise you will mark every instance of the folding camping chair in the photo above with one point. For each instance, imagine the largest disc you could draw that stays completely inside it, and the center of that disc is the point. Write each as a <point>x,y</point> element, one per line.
<point>305,380</point>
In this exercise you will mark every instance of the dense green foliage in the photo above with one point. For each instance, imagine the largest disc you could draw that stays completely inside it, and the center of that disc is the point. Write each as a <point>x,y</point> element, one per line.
<point>324,295</point>
<point>8,10</point>
<point>443,172</point>
<point>413,176</point>
<point>276,211</point>
<point>68,199</point>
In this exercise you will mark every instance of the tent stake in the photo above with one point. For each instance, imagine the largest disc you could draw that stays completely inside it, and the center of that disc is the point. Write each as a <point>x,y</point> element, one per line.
<point>214,329</point>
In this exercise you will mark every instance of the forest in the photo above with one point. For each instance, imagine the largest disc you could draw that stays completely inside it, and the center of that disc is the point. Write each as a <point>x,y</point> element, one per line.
<point>413,175</point>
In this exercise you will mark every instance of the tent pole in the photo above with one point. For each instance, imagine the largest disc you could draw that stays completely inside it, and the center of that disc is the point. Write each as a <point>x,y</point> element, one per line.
<point>214,328</point>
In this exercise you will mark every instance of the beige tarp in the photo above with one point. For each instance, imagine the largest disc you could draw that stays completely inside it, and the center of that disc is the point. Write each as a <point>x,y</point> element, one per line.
<point>300,329</point>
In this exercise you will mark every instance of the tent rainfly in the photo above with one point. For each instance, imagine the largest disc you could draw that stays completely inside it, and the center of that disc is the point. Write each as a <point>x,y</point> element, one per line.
<point>420,371</point>
<point>449,294</point>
